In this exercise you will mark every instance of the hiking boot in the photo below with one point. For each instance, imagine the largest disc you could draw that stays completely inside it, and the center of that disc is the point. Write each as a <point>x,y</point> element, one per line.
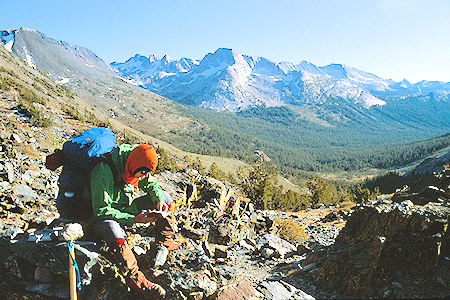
<point>140,284</point>
<point>123,255</point>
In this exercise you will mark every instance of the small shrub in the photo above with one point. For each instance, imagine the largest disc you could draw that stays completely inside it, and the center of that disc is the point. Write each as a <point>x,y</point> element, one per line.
<point>128,138</point>
<point>290,231</point>
<point>87,116</point>
<point>37,87</point>
<point>364,194</point>
<point>72,111</point>
<point>291,201</point>
<point>95,120</point>
<point>7,71</point>
<point>322,192</point>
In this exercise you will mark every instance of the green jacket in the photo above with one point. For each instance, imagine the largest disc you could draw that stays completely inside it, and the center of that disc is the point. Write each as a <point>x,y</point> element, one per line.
<point>114,201</point>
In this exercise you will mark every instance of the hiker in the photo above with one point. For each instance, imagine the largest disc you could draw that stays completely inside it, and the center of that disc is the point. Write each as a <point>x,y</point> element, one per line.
<point>111,190</point>
<point>113,205</point>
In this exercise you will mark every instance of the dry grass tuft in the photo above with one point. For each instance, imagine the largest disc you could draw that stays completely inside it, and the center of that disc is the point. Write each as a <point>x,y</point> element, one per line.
<point>290,231</point>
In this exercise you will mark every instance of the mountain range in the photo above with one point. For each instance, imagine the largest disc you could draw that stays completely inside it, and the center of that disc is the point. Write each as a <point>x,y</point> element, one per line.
<point>223,80</point>
<point>301,115</point>
<point>228,80</point>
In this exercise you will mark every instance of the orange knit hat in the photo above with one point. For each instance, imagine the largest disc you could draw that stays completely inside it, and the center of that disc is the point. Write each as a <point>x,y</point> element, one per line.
<point>142,157</point>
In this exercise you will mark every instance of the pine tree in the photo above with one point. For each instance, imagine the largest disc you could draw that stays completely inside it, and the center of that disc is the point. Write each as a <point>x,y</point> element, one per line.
<point>215,172</point>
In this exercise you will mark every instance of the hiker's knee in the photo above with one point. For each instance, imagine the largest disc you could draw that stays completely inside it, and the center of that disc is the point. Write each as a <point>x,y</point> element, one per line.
<point>108,230</point>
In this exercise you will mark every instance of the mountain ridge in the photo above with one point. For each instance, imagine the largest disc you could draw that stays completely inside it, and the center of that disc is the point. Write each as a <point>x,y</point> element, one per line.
<point>267,83</point>
<point>310,126</point>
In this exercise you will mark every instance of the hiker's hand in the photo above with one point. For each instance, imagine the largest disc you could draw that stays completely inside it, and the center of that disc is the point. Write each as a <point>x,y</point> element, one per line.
<point>162,206</point>
<point>145,217</point>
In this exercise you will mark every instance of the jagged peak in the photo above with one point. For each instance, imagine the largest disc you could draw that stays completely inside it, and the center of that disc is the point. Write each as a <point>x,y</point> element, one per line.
<point>136,57</point>
<point>309,67</point>
<point>222,56</point>
<point>227,52</point>
<point>152,58</point>
<point>305,63</point>
<point>139,56</point>
<point>166,59</point>
<point>223,50</point>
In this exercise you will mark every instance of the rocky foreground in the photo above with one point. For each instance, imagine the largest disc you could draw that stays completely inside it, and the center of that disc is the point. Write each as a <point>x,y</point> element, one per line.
<point>394,246</point>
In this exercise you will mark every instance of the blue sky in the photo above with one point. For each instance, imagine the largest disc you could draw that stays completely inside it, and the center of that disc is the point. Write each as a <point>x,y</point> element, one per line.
<point>391,38</point>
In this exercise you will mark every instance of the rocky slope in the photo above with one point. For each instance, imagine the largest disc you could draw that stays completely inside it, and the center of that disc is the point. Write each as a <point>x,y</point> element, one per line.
<point>391,247</point>
<point>228,247</point>
<point>394,246</point>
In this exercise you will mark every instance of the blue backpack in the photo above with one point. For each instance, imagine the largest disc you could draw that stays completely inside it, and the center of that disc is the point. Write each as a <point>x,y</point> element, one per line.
<point>78,157</point>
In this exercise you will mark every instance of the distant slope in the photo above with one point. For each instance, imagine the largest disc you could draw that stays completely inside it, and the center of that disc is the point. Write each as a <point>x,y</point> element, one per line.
<point>56,58</point>
<point>99,90</point>
<point>433,164</point>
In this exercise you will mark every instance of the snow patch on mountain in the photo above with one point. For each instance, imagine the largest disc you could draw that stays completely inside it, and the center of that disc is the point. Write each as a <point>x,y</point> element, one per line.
<point>129,81</point>
<point>9,45</point>
<point>63,80</point>
<point>29,58</point>
<point>29,29</point>
<point>358,77</point>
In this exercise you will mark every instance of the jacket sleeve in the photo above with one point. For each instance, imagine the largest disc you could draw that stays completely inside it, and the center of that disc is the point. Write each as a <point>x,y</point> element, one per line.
<point>102,195</point>
<point>153,190</point>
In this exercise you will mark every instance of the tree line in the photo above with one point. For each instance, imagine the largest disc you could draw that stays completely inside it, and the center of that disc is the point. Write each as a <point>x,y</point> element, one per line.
<point>297,145</point>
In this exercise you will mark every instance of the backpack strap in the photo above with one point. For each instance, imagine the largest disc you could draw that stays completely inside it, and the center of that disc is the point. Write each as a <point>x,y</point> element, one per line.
<point>117,179</point>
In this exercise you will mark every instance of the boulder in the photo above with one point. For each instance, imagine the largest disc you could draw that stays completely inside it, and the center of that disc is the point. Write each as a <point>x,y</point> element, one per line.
<point>280,246</point>
<point>241,290</point>
<point>279,290</point>
<point>386,242</point>
<point>221,232</point>
<point>226,230</point>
